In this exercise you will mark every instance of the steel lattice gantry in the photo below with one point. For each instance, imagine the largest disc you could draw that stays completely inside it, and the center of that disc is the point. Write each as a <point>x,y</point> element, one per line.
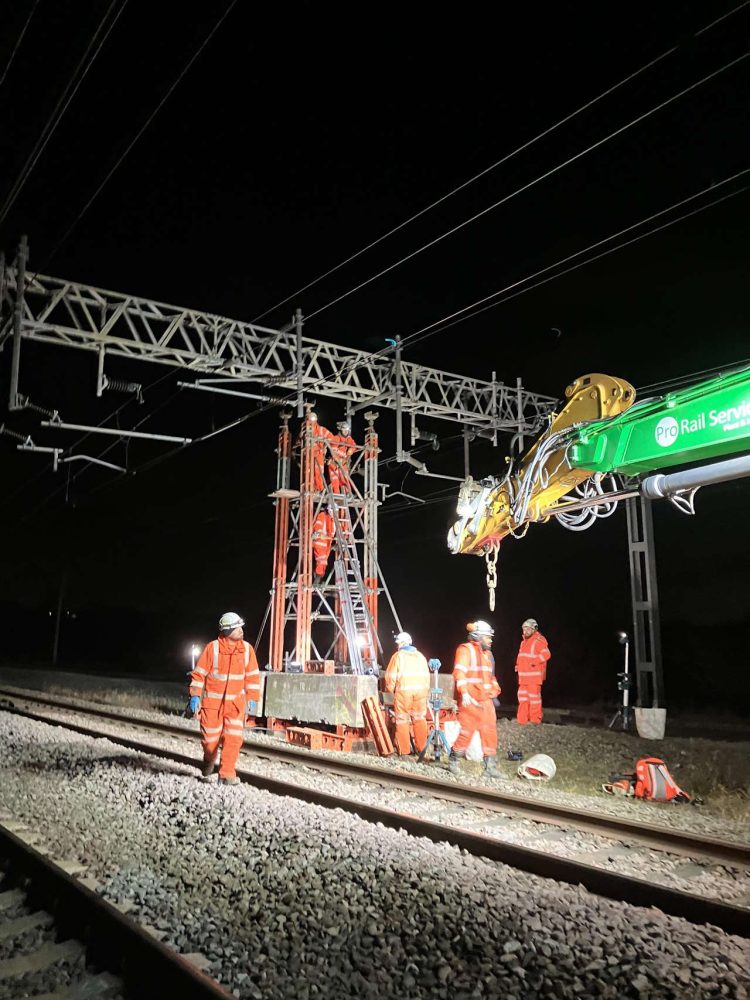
<point>290,368</point>
<point>66,313</point>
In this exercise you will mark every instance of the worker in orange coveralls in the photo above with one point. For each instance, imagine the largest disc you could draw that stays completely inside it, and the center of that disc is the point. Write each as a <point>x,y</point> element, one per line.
<point>407,677</point>
<point>320,435</point>
<point>225,687</point>
<point>477,692</point>
<point>341,448</point>
<point>531,667</point>
<point>322,538</point>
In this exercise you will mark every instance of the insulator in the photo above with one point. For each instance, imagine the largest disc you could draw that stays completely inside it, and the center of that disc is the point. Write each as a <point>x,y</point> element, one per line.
<point>119,385</point>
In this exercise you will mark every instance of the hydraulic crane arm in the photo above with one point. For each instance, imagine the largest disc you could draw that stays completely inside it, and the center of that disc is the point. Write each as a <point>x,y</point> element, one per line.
<point>600,432</point>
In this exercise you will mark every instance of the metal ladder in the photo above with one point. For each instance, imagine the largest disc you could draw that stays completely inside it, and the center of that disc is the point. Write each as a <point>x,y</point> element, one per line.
<point>355,614</point>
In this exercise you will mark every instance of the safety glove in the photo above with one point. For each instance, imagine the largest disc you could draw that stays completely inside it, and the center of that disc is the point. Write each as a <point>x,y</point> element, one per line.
<point>252,708</point>
<point>496,702</point>
<point>193,706</point>
<point>466,699</point>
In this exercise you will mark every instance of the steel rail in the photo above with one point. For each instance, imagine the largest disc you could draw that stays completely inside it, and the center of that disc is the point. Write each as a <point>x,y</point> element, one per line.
<point>638,892</point>
<point>660,838</point>
<point>149,969</point>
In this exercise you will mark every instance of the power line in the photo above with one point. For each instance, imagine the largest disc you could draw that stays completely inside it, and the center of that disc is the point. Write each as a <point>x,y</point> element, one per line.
<point>530,184</point>
<point>694,376</point>
<point>427,331</point>
<point>61,107</point>
<point>471,180</point>
<point>20,39</point>
<point>495,165</point>
<point>575,267</point>
<point>421,334</point>
<point>139,133</point>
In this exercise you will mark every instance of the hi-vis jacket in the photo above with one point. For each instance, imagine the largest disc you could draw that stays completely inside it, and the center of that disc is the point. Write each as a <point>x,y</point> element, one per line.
<point>531,665</point>
<point>227,670</point>
<point>408,673</point>
<point>474,672</point>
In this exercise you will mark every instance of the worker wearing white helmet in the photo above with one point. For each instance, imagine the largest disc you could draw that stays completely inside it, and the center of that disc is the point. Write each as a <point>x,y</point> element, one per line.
<point>341,447</point>
<point>224,690</point>
<point>531,667</point>
<point>318,436</point>
<point>477,692</point>
<point>407,677</point>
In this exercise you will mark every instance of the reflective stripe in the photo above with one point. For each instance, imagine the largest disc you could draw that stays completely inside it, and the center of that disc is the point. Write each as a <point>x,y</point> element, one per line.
<point>216,729</point>
<point>219,695</point>
<point>229,677</point>
<point>201,671</point>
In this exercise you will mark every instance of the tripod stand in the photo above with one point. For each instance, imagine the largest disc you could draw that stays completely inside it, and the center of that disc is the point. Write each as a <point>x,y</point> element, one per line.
<point>436,739</point>
<point>624,683</point>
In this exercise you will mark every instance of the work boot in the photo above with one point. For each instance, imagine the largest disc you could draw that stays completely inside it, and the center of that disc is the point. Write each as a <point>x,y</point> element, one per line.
<point>209,763</point>
<point>489,767</point>
<point>234,780</point>
<point>453,759</point>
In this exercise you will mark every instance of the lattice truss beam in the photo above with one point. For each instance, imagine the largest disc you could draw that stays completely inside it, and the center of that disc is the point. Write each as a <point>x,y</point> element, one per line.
<point>66,313</point>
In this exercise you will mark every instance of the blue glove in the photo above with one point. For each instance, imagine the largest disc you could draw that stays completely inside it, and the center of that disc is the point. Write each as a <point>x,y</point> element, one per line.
<point>496,702</point>
<point>434,663</point>
<point>194,704</point>
<point>252,708</point>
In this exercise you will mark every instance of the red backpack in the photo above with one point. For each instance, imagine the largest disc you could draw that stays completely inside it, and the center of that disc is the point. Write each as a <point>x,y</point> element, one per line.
<point>651,780</point>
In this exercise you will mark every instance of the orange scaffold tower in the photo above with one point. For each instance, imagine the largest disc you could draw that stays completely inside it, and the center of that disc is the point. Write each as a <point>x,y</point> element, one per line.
<point>326,579</point>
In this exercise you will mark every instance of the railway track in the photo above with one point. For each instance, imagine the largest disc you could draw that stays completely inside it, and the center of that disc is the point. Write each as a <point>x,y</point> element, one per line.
<point>545,839</point>
<point>59,940</point>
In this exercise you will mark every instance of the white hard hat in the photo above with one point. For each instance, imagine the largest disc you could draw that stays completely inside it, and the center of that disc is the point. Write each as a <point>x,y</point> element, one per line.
<point>344,425</point>
<point>540,767</point>
<point>230,621</point>
<point>402,639</point>
<point>480,628</point>
<point>532,623</point>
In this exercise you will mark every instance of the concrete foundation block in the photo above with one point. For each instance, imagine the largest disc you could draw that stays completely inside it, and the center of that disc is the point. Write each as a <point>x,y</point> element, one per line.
<point>335,700</point>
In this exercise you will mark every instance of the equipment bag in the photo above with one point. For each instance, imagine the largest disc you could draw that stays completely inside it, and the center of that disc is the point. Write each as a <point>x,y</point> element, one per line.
<point>651,780</point>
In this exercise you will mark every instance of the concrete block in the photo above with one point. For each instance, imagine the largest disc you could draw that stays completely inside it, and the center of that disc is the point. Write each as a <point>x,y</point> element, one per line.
<point>335,700</point>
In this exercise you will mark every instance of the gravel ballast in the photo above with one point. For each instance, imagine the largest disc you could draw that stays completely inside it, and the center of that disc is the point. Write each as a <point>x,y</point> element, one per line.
<point>291,900</point>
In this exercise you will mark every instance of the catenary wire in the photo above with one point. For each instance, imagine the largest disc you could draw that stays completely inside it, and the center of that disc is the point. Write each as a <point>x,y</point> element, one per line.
<point>63,239</point>
<point>530,184</point>
<point>459,316</point>
<point>493,166</point>
<point>291,397</point>
<point>16,47</point>
<point>418,334</point>
<point>71,88</point>
<point>575,267</point>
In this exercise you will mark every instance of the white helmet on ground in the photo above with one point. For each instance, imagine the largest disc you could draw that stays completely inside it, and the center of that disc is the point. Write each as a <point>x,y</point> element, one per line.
<point>479,629</point>
<point>402,639</point>
<point>230,621</point>
<point>532,623</point>
<point>540,767</point>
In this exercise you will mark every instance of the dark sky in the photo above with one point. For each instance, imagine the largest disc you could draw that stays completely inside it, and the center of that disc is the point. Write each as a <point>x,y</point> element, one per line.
<point>298,136</point>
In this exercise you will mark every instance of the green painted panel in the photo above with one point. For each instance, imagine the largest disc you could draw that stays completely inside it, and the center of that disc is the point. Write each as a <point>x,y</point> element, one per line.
<point>708,420</point>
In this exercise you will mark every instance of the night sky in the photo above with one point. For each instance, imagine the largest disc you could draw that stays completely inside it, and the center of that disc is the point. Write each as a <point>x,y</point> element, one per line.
<point>298,136</point>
